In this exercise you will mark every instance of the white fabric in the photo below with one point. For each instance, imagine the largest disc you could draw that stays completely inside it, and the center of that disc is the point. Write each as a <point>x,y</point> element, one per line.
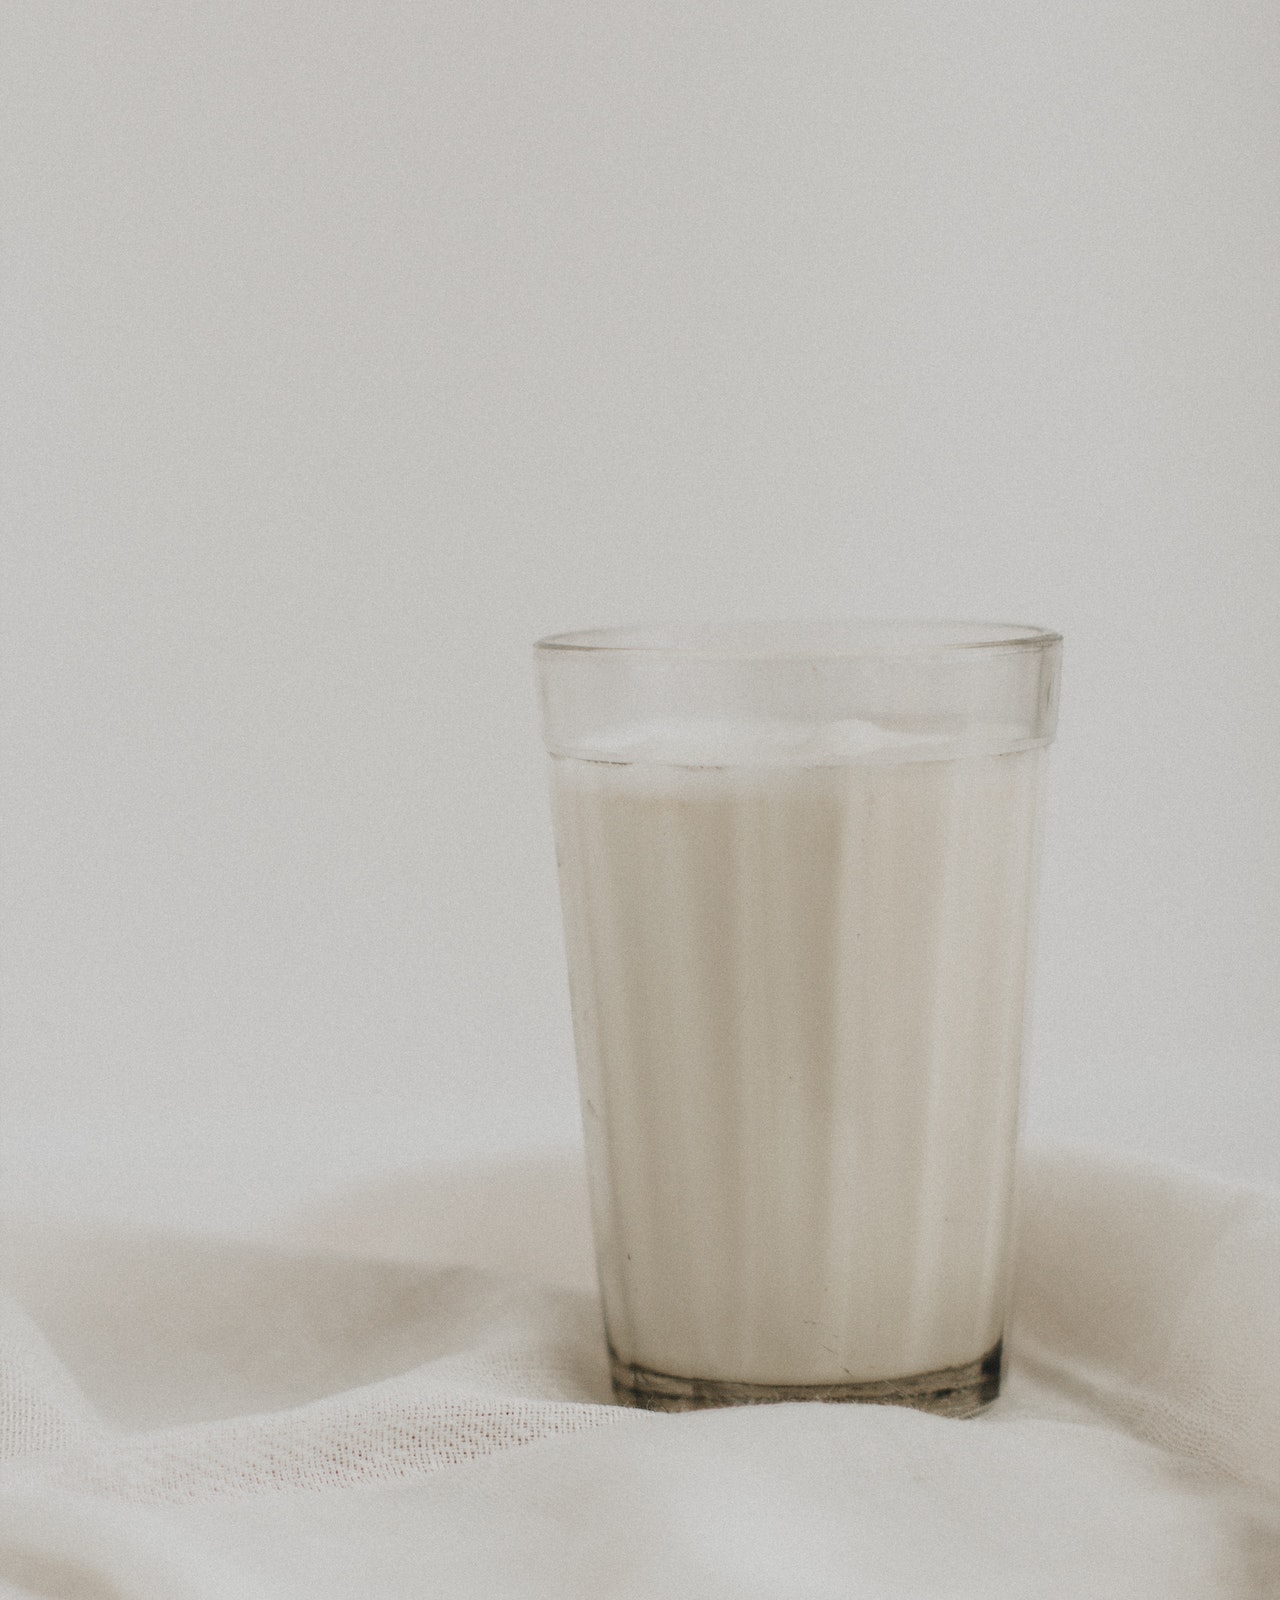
<point>331,1412</point>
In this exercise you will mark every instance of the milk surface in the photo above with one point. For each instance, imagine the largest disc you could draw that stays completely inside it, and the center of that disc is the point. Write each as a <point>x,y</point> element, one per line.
<point>798,963</point>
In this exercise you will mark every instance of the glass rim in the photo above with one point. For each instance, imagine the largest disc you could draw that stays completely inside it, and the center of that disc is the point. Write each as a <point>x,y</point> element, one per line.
<point>866,639</point>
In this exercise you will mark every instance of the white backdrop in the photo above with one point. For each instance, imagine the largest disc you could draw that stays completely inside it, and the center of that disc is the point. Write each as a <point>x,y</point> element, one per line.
<point>350,348</point>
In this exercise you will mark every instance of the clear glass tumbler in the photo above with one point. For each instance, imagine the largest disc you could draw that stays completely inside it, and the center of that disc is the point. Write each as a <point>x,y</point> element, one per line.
<point>797,864</point>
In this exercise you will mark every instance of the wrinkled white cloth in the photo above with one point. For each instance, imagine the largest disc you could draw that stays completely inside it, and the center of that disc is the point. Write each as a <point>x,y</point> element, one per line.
<point>406,1395</point>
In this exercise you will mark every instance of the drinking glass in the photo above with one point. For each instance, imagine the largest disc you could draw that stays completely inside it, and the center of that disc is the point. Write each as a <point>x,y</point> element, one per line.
<point>797,866</point>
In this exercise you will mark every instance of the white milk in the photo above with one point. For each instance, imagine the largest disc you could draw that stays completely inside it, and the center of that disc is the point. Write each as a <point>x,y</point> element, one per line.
<point>798,983</point>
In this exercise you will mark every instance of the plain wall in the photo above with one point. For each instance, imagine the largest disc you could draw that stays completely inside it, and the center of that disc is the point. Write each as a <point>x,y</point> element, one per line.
<point>349,349</point>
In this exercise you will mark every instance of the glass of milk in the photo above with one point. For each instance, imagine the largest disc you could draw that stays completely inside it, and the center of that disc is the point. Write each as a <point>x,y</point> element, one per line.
<point>797,865</point>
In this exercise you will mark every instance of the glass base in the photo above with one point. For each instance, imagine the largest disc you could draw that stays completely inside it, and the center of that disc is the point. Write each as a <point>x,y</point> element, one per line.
<point>950,1392</point>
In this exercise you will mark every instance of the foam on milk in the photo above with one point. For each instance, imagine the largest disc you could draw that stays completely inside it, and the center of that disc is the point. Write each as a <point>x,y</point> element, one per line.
<point>762,742</point>
<point>797,962</point>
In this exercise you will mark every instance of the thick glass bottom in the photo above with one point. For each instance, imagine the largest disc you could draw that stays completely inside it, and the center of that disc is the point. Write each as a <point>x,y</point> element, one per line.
<point>950,1392</point>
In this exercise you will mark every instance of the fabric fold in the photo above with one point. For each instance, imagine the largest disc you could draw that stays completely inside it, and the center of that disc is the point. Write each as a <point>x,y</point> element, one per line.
<point>187,1417</point>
